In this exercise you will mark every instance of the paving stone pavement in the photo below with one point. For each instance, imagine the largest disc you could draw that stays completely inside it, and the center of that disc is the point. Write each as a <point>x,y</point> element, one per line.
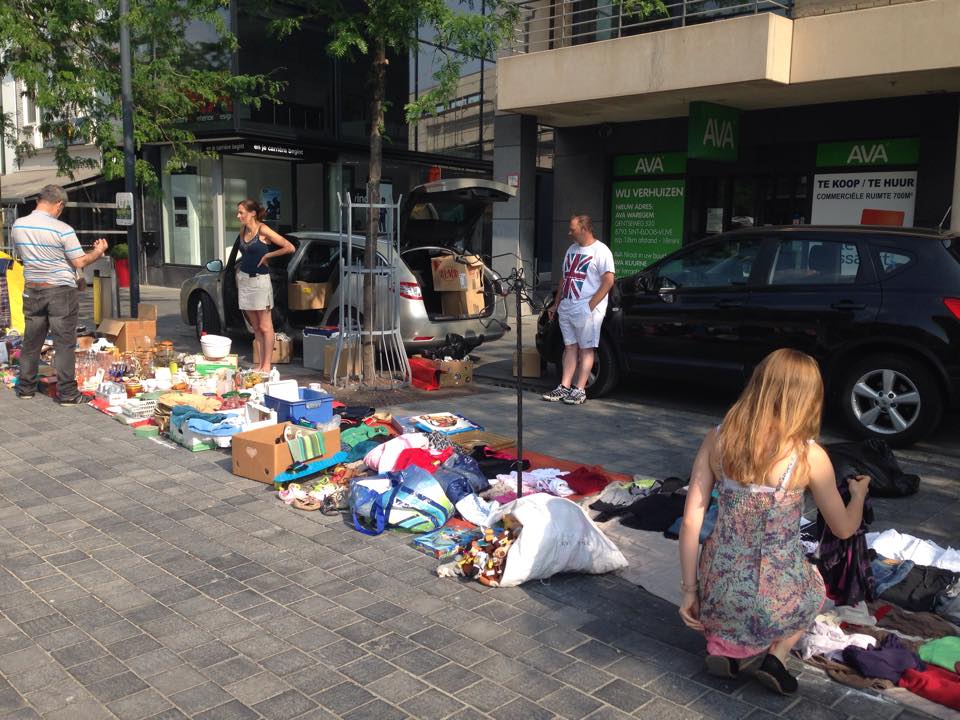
<point>139,581</point>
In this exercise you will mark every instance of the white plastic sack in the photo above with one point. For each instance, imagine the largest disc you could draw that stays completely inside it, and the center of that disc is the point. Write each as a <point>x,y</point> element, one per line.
<point>557,536</point>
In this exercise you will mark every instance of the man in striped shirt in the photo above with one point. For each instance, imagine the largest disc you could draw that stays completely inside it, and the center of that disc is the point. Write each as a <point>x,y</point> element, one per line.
<point>51,255</point>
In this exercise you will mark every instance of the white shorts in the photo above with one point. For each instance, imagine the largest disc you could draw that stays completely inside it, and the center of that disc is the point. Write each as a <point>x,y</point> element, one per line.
<point>581,326</point>
<point>254,293</point>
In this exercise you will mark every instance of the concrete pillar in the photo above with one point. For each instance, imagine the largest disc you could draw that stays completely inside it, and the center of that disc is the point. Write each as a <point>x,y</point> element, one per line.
<point>515,154</point>
<point>955,213</point>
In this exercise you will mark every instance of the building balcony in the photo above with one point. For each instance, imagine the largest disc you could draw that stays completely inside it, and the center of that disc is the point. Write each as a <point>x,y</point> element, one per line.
<point>577,65</point>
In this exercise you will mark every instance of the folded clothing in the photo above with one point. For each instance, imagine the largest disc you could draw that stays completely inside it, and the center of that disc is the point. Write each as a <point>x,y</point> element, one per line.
<point>920,588</point>
<point>585,481</point>
<point>425,459</point>
<point>655,513</point>
<point>887,572</point>
<point>887,660</point>
<point>934,683</point>
<point>944,652</point>
<point>915,624</point>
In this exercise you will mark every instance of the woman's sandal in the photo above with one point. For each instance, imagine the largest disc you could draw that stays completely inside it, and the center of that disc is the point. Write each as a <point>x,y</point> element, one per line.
<point>722,666</point>
<point>308,505</point>
<point>773,675</point>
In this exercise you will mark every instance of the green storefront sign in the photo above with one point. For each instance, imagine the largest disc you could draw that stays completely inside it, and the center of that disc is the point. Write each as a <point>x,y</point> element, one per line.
<point>713,132</point>
<point>864,153</point>
<point>646,222</point>
<point>665,163</point>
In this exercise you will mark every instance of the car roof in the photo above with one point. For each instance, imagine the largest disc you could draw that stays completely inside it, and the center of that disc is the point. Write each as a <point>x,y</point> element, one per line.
<point>333,237</point>
<point>931,233</point>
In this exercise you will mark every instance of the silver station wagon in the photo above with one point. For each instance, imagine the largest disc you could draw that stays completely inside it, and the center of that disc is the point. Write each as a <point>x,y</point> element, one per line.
<point>438,218</point>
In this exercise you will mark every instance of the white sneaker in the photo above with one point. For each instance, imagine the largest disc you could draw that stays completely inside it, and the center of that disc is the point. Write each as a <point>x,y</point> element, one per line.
<point>557,394</point>
<point>576,396</point>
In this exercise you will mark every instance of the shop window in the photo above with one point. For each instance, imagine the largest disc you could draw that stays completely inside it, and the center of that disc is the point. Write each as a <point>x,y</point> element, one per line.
<point>820,262</point>
<point>718,264</point>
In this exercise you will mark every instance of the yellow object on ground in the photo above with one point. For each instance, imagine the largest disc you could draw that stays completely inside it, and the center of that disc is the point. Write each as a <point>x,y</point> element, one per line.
<point>15,291</point>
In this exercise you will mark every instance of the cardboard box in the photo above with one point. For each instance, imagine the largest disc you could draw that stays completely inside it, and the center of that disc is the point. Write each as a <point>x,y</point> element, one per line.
<point>454,372</point>
<point>282,351</point>
<point>209,367</point>
<point>262,454</point>
<point>307,296</point>
<point>453,273</point>
<point>529,363</point>
<point>464,303</point>
<point>350,362</point>
<point>132,334</point>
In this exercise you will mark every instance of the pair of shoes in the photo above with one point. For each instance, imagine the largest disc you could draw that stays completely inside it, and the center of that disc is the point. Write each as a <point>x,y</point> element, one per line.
<point>576,396</point>
<point>722,666</point>
<point>774,676</point>
<point>70,402</point>
<point>557,394</point>
<point>25,395</point>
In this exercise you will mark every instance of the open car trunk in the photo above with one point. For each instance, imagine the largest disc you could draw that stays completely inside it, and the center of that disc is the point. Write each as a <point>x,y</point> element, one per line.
<point>442,225</point>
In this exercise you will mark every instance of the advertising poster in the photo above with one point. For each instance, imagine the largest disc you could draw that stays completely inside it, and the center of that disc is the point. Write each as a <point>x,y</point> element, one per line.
<point>865,198</point>
<point>646,222</point>
<point>270,199</point>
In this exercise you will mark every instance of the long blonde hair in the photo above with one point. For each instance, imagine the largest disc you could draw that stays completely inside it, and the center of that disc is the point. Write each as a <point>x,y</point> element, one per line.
<point>776,415</point>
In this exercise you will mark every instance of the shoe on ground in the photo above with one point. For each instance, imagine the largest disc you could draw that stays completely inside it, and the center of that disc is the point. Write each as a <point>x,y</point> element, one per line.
<point>774,676</point>
<point>722,666</point>
<point>557,394</point>
<point>70,402</point>
<point>25,395</point>
<point>576,396</point>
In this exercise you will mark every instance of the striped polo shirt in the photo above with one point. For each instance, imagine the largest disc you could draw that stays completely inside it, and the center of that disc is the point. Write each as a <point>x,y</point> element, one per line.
<point>45,244</point>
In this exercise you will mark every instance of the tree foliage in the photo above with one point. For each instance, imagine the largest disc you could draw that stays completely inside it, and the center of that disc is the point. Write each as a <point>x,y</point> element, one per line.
<point>66,55</point>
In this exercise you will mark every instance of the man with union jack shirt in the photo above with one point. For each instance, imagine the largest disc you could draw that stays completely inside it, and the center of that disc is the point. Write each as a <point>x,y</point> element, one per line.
<point>580,305</point>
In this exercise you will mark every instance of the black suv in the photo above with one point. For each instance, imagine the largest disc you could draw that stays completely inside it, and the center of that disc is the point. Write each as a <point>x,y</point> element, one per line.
<point>879,308</point>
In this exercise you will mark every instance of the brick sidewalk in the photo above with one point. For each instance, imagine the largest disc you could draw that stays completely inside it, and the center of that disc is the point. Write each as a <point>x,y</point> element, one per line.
<point>143,581</point>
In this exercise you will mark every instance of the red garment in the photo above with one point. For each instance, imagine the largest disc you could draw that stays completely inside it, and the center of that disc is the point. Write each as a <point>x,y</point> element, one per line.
<point>934,683</point>
<point>584,481</point>
<point>499,454</point>
<point>421,458</point>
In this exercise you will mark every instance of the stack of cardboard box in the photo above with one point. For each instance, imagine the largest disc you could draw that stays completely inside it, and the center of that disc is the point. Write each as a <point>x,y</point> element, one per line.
<point>459,280</point>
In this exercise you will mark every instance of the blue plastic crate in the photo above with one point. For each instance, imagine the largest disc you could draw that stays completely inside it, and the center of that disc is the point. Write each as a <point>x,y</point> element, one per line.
<point>315,406</point>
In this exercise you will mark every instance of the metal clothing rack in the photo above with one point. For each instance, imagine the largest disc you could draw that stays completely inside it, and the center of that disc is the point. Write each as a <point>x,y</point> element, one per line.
<point>391,366</point>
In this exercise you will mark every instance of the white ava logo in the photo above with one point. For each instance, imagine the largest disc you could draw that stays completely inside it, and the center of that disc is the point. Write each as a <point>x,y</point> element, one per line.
<point>649,166</point>
<point>719,134</point>
<point>867,155</point>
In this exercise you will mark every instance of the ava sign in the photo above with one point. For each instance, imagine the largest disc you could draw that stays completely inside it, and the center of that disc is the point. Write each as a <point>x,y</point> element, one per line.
<point>713,132</point>
<point>664,163</point>
<point>860,153</point>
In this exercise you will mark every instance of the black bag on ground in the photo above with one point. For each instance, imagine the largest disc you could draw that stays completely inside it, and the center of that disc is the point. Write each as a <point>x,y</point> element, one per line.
<point>874,458</point>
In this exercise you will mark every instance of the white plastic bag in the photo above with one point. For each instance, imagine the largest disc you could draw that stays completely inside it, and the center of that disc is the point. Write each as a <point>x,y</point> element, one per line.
<point>557,537</point>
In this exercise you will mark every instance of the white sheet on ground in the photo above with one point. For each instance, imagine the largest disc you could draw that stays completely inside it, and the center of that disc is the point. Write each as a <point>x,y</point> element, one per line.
<point>900,546</point>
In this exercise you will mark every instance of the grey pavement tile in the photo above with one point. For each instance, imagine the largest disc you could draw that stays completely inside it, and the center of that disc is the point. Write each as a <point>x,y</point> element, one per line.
<point>186,640</point>
<point>621,694</point>
<point>392,645</point>
<point>680,690</point>
<point>45,624</point>
<point>420,661</point>
<point>720,706</point>
<point>431,705</point>
<point>361,632</point>
<point>133,646</point>
<point>486,696</point>
<point>286,705</point>
<point>200,698</point>
<point>376,710</point>
<point>233,710</point>
<point>87,709</point>
<point>570,703</point>
<point>510,644</point>
<point>660,709</point>
<point>208,654</point>
<point>634,670</point>
<point>451,678</point>
<point>868,707</point>
<point>397,687</point>
<point>289,594</point>
<point>546,659</point>
<point>257,688</point>
<point>330,618</point>
<point>344,697</point>
<point>809,710</point>
<point>287,662</point>
<point>137,707</point>
<point>22,660</point>
<point>367,669</point>
<point>522,709</point>
<point>90,672</point>
<point>116,687</point>
<point>596,653</point>
<point>176,679</point>
<point>312,638</point>
<point>261,646</point>
<point>232,670</point>
<point>40,676</point>
<point>728,686</point>
<point>115,632</point>
<point>61,638</point>
<point>79,653</point>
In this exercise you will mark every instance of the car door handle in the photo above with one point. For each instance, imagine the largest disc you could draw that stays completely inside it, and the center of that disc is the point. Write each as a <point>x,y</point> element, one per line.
<point>726,304</point>
<point>848,305</point>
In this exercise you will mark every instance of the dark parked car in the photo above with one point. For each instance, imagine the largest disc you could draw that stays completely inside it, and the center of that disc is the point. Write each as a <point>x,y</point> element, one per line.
<point>879,308</point>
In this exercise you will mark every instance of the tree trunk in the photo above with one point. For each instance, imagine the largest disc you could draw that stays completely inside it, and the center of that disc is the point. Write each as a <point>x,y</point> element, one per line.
<point>378,84</point>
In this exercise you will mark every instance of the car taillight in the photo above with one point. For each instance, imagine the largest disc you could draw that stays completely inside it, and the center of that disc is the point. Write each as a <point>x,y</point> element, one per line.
<point>410,291</point>
<point>953,305</point>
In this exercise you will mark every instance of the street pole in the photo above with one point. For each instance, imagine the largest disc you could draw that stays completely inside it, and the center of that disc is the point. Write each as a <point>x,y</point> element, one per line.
<point>129,156</point>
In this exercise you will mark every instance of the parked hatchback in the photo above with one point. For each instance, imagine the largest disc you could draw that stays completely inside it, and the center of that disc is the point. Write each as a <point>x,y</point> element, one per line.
<point>439,218</point>
<point>879,309</point>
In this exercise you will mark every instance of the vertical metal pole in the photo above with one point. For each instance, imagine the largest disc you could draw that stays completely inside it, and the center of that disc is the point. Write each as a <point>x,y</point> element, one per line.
<point>129,157</point>
<point>519,378</point>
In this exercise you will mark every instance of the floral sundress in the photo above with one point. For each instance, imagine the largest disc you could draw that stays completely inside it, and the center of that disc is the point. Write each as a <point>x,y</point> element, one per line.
<point>756,584</point>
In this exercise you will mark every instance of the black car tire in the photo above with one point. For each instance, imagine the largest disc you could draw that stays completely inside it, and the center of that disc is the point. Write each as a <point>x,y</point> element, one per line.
<point>605,374</point>
<point>871,417</point>
<point>206,320</point>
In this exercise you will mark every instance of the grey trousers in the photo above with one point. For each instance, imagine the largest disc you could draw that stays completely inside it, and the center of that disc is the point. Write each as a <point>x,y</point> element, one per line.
<point>53,309</point>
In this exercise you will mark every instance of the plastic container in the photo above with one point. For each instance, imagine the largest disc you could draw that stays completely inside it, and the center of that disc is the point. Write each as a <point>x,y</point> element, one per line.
<point>215,347</point>
<point>317,407</point>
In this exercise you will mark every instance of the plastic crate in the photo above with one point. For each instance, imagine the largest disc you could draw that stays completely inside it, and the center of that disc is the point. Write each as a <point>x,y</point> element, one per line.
<point>315,406</point>
<point>140,409</point>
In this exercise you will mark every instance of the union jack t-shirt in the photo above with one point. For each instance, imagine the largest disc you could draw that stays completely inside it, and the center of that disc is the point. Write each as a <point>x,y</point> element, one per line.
<point>583,268</point>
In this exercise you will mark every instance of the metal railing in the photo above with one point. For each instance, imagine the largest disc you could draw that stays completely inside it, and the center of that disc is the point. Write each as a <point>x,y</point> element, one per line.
<point>552,24</point>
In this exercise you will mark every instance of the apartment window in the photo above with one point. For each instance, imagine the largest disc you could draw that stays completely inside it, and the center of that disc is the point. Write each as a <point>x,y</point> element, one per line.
<point>29,111</point>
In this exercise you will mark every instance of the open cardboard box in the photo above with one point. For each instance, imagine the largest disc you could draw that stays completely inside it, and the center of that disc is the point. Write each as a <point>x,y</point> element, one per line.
<point>457,272</point>
<point>262,454</point>
<point>282,351</point>
<point>132,334</point>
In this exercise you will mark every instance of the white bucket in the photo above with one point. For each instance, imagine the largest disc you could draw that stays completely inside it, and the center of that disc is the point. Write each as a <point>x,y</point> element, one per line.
<point>215,347</point>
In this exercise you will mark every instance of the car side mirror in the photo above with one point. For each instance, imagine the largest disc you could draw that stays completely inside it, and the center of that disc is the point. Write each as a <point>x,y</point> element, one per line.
<point>214,266</point>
